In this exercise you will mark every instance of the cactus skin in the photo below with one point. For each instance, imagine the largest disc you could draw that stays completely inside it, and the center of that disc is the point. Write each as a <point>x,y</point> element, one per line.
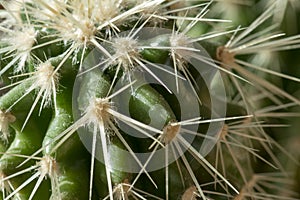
<point>48,89</point>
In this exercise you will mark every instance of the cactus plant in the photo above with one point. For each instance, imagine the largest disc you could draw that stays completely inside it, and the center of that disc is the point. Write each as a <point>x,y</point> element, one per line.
<point>149,99</point>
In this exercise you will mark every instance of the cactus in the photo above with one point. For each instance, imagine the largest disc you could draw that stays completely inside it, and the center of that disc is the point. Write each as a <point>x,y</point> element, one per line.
<point>149,99</point>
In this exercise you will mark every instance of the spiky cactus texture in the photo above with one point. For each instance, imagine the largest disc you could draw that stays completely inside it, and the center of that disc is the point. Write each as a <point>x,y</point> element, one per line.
<point>149,99</point>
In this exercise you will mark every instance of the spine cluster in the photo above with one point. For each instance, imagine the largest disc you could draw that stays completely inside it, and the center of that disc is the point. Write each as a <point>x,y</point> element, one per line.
<point>148,99</point>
